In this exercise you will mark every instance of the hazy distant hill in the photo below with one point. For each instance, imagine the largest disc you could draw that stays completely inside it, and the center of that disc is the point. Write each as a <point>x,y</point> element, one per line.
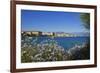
<point>82,33</point>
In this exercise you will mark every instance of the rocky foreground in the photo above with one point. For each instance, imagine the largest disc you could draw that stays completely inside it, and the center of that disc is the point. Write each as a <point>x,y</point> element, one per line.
<point>49,50</point>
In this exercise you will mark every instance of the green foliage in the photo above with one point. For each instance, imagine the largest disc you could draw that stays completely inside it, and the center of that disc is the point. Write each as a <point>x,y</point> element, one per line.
<point>49,50</point>
<point>81,54</point>
<point>27,54</point>
<point>85,18</point>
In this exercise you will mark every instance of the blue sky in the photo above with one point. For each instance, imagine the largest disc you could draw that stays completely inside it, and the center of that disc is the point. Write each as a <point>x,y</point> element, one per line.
<point>51,21</point>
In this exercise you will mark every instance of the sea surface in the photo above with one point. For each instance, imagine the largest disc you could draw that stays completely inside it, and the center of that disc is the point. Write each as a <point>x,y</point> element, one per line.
<point>70,42</point>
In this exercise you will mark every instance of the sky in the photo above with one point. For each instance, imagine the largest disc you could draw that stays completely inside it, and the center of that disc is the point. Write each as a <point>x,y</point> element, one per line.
<point>51,21</point>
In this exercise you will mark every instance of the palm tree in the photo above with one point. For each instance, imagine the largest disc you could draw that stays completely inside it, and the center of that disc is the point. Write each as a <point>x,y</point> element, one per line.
<point>85,18</point>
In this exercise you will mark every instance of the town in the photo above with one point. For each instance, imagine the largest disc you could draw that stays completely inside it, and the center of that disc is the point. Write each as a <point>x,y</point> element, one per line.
<point>52,34</point>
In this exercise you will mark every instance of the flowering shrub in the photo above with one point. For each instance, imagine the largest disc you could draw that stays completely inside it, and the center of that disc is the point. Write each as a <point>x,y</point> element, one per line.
<point>49,50</point>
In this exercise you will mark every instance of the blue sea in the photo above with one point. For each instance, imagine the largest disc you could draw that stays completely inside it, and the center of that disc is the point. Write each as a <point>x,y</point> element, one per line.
<point>69,42</point>
<point>65,42</point>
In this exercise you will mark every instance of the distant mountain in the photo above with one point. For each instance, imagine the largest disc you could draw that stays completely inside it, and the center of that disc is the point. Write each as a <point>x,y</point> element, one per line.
<point>82,33</point>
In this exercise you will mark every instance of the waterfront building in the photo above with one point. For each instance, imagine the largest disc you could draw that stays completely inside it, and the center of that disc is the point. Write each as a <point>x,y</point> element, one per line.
<point>48,33</point>
<point>36,33</point>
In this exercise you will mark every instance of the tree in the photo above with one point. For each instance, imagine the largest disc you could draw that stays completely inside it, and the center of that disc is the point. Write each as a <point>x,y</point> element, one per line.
<point>85,18</point>
<point>85,52</point>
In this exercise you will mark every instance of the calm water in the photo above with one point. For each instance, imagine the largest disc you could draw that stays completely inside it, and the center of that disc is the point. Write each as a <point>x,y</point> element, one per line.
<point>71,41</point>
<point>65,42</point>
